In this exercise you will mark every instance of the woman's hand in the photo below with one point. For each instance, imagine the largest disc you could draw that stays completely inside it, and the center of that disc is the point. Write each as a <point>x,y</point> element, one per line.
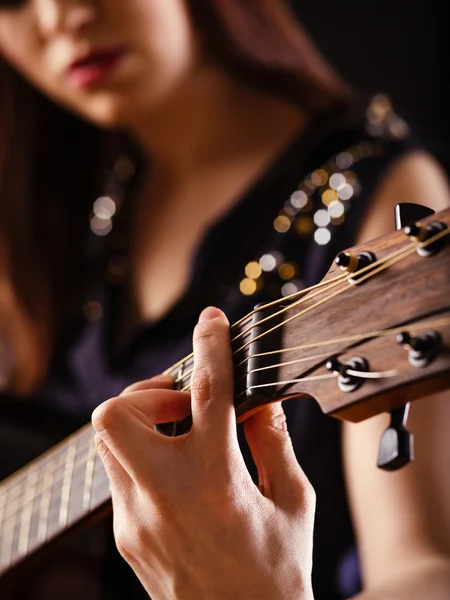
<point>187,516</point>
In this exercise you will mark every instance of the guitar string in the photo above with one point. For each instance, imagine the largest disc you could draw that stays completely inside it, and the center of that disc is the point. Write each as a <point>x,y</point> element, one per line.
<point>344,275</point>
<point>320,378</point>
<point>182,361</point>
<point>279,301</point>
<point>329,284</point>
<point>335,281</point>
<point>368,275</point>
<point>371,273</point>
<point>357,337</point>
<point>360,337</point>
<point>353,338</point>
<point>368,271</point>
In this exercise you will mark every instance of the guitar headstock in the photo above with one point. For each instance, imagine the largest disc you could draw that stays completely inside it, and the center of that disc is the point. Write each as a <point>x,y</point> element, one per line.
<point>372,336</point>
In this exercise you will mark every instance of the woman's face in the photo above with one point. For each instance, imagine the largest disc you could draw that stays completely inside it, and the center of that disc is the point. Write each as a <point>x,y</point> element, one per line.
<point>107,60</point>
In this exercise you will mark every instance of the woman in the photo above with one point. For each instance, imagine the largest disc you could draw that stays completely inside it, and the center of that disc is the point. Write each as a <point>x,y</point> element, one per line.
<point>227,126</point>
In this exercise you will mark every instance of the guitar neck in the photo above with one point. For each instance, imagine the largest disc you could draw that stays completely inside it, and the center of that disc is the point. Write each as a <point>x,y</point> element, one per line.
<point>56,491</point>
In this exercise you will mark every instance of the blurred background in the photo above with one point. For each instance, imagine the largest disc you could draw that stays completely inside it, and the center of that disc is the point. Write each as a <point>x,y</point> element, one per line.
<point>400,47</point>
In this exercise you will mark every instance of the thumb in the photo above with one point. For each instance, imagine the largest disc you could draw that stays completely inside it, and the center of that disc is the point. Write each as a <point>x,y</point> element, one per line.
<point>281,478</point>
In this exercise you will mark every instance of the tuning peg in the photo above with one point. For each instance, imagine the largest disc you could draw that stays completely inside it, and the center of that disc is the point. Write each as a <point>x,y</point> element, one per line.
<point>350,263</point>
<point>422,348</point>
<point>406,217</point>
<point>407,213</point>
<point>347,262</point>
<point>397,443</point>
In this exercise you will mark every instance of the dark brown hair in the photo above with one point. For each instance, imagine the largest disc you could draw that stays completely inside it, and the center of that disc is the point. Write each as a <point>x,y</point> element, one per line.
<point>51,171</point>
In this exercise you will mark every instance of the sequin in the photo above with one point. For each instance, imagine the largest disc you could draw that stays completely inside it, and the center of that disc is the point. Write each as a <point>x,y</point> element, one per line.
<point>337,180</point>
<point>345,192</point>
<point>282,224</point>
<point>286,271</point>
<point>104,208</point>
<point>248,286</point>
<point>322,218</point>
<point>329,196</point>
<point>253,270</point>
<point>304,225</point>
<point>299,199</point>
<point>93,310</point>
<point>268,262</point>
<point>336,209</point>
<point>322,236</point>
<point>101,227</point>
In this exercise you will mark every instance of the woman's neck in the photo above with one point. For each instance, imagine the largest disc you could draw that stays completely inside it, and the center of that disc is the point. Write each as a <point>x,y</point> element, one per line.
<point>206,148</point>
<point>212,119</point>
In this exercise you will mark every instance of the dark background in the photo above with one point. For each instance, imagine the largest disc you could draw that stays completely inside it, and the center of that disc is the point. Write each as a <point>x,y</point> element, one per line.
<point>400,47</point>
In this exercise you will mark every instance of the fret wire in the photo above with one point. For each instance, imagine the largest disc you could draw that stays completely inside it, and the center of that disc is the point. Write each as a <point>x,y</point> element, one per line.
<point>54,466</point>
<point>17,478</point>
<point>100,477</point>
<point>66,485</point>
<point>26,512</point>
<point>15,507</point>
<point>44,510</point>
<point>178,371</point>
<point>2,508</point>
<point>7,541</point>
<point>46,487</point>
<point>44,505</point>
<point>101,494</point>
<point>179,377</point>
<point>16,491</point>
<point>89,475</point>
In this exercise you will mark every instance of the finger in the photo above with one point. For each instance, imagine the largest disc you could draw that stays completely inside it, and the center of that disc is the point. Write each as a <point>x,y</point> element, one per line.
<point>162,381</point>
<point>212,383</point>
<point>153,406</point>
<point>118,477</point>
<point>125,424</point>
<point>280,476</point>
<point>160,406</point>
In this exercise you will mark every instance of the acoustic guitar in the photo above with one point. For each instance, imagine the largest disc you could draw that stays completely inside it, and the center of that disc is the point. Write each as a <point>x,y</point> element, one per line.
<point>371,337</point>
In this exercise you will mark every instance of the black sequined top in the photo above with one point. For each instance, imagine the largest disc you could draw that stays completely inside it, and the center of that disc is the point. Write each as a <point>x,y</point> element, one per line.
<point>280,237</point>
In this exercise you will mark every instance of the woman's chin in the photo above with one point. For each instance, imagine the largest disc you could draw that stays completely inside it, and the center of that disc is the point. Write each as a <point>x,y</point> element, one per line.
<point>107,113</point>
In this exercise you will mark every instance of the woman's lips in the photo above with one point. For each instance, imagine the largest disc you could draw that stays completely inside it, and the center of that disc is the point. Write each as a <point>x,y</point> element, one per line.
<point>94,68</point>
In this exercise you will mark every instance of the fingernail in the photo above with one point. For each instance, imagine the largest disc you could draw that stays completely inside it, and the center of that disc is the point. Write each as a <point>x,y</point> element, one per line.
<point>211,312</point>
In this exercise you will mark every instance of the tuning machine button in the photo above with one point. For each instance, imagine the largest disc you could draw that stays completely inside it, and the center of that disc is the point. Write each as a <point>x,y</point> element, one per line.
<point>420,233</point>
<point>347,262</point>
<point>355,262</point>
<point>416,232</point>
<point>422,349</point>
<point>347,382</point>
<point>396,443</point>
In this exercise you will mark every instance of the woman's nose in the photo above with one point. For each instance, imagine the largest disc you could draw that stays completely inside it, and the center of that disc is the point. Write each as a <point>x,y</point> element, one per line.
<point>59,16</point>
